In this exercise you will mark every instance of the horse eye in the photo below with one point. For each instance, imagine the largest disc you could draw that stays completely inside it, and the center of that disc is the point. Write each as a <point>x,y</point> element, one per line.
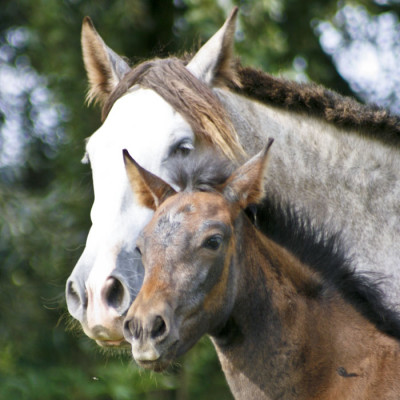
<point>183,149</point>
<point>213,242</point>
<point>138,251</point>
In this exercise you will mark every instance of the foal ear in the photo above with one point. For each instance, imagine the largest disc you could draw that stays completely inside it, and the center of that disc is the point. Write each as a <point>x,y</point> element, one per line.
<point>214,59</point>
<point>149,189</point>
<point>104,67</point>
<point>246,185</point>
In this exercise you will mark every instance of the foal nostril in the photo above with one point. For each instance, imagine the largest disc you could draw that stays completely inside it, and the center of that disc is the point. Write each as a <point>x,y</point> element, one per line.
<point>159,327</point>
<point>132,329</point>
<point>127,329</point>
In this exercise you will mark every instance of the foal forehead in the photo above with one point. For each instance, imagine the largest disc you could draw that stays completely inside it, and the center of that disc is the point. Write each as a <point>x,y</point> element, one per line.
<point>189,212</point>
<point>199,205</point>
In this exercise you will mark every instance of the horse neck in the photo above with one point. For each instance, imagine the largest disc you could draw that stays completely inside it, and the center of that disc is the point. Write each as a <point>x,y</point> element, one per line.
<point>340,176</point>
<point>310,153</point>
<point>278,332</point>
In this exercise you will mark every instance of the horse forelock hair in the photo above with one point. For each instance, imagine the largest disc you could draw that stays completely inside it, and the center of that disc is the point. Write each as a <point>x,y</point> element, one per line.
<point>325,253</point>
<point>203,172</point>
<point>193,99</point>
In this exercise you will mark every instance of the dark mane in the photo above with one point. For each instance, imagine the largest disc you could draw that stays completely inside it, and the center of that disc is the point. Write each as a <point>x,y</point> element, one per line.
<point>325,253</point>
<point>309,98</point>
<point>207,117</point>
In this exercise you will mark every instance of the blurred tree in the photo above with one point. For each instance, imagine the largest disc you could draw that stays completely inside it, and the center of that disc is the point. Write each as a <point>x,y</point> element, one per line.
<point>45,192</point>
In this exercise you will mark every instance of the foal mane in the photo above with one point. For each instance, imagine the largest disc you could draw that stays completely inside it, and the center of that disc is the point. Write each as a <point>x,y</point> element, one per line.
<point>202,172</point>
<point>325,253</point>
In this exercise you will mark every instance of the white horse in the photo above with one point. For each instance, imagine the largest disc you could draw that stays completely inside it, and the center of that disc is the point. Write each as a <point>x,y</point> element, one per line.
<point>334,158</point>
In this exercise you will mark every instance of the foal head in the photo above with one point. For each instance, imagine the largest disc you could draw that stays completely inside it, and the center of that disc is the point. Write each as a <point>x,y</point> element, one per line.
<point>188,251</point>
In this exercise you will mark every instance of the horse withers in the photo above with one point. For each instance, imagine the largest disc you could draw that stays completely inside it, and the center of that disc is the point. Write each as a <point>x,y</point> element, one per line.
<point>282,328</point>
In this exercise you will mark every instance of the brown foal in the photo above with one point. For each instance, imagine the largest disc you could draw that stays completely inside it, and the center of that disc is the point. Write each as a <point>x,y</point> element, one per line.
<point>281,329</point>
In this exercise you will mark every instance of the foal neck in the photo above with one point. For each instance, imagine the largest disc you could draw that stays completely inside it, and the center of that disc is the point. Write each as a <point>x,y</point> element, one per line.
<point>285,339</point>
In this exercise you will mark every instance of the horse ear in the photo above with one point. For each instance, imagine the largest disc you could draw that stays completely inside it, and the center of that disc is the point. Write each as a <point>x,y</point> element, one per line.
<point>246,185</point>
<point>214,59</point>
<point>104,67</point>
<point>149,189</point>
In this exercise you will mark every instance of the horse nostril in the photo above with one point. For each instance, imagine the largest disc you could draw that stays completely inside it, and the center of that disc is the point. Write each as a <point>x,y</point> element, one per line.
<point>75,298</point>
<point>72,293</point>
<point>114,294</point>
<point>159,327</point>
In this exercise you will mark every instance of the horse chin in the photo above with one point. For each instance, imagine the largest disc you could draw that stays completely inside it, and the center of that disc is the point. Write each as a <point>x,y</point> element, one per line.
<point>113,344</point>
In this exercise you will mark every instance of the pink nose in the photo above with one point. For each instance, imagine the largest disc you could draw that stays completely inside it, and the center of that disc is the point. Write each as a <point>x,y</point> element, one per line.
<point>99,311</point>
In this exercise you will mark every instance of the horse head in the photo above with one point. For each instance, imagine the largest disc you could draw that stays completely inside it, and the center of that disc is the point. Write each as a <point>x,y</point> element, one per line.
<point>158,111</point>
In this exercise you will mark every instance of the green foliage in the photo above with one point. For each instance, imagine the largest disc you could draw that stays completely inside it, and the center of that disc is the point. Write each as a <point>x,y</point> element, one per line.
<point>45,192</point>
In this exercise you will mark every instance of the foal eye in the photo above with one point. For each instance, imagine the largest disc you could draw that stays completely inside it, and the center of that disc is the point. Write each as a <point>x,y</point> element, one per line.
<point>213,242</point>
<point>137,251</point>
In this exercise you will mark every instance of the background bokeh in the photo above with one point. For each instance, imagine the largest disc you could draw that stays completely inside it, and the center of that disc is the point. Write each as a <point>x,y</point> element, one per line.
<point>46,193</point>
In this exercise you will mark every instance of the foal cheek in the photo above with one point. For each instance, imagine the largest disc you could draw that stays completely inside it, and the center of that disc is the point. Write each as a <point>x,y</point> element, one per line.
<point>215,297</point>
